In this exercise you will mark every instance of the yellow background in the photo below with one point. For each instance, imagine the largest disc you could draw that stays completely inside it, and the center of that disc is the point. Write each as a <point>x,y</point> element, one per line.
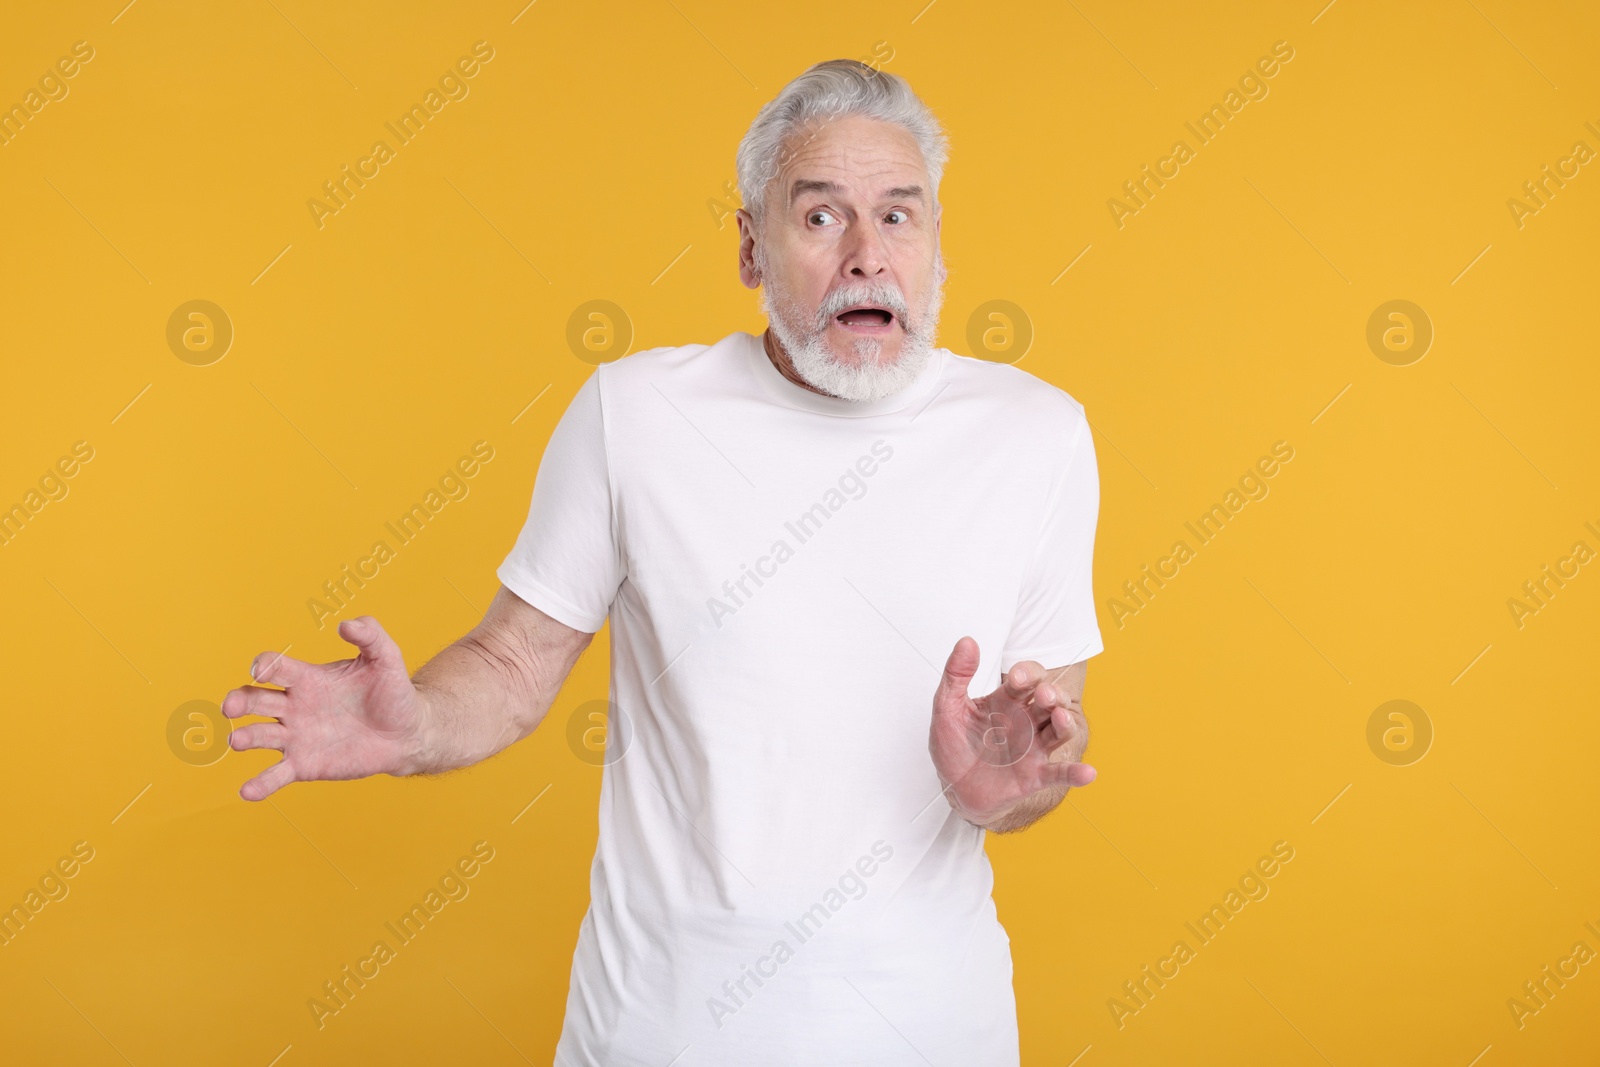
<point>1226,315</point>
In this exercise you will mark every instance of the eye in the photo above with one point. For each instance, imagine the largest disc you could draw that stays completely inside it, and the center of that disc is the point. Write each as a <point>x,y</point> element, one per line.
<point>900,211</point>
<point>811,217</point>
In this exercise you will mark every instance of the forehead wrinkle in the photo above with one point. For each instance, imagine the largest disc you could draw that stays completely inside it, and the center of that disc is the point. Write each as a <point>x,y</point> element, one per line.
<point>881,162</point>
<point>828,187</point>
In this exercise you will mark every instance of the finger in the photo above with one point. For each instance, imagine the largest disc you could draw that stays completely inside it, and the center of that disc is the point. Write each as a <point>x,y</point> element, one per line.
<point>268,781</point>
<point>1073,774</point>
<point>958,671</point>
<point>1038,708</point>
<point>1079,774</point>
<point>374,642</point>
<point>275,668</point>
<point>1062,728</point>
<point>1021,678</point>
<point>254,700</point>
<point>272,735</point>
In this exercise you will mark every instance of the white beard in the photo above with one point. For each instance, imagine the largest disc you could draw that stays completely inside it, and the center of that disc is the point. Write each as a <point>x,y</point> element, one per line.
<point>864,378</point>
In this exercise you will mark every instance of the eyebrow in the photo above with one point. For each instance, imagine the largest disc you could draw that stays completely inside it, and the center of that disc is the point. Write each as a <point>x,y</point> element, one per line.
<point>814,185</point>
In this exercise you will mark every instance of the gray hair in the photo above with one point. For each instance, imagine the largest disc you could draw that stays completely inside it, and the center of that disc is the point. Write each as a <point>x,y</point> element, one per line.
<point>829,90</point>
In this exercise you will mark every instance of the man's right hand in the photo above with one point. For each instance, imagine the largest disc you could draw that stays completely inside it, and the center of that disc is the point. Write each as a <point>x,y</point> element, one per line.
<point>335,721</point>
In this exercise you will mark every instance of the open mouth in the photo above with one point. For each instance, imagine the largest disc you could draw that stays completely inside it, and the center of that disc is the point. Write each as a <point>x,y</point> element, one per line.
<point>865,317</point>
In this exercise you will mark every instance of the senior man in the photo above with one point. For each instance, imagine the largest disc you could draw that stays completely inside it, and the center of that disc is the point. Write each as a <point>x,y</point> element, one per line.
<point>786,532</point>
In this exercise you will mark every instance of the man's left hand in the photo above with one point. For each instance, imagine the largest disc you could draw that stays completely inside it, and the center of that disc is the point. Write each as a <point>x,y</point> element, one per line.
<point>1019,742</point>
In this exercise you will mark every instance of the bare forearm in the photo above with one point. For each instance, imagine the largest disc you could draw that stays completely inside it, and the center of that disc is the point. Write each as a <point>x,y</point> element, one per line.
<point>1028,811</point>
<point>481,695</point>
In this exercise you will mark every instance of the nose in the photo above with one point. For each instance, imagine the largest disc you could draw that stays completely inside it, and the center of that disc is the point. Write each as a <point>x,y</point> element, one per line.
<point>864,257</point>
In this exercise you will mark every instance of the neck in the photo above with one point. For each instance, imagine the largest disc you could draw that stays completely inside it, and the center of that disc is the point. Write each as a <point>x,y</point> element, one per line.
<point>785,365</point>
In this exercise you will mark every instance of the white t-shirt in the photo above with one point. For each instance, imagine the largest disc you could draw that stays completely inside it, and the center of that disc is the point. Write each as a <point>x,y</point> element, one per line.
<point>778,879</point>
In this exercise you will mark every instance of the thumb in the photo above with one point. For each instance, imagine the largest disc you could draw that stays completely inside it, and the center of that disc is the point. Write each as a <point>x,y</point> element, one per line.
<point>374,642</point>
<point>958,672</point>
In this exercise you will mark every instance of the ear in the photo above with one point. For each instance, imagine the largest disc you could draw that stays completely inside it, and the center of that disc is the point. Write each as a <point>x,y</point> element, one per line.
<point>747,248</point>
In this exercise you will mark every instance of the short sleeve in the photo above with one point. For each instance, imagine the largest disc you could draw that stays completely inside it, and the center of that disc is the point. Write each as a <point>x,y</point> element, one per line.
<point>566,561</point>
<point>1055,622</point>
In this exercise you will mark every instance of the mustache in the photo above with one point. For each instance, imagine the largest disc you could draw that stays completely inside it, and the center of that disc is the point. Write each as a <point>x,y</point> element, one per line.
<point>776,299</point>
